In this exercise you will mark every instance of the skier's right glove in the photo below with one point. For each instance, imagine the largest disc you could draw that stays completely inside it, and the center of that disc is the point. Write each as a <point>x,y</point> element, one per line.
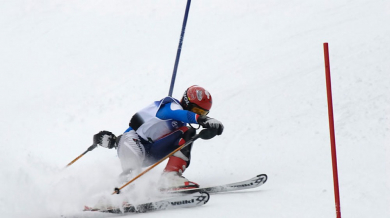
<point>105,139</point>
<point>208,122</point>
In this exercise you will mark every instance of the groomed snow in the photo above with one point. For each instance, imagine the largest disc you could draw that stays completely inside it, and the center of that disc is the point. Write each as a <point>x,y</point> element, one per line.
<point>72,68</point>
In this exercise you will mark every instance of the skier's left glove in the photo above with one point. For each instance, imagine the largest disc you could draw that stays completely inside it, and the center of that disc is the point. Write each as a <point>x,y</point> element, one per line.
<point>208,122</point>
<point>105,139</point>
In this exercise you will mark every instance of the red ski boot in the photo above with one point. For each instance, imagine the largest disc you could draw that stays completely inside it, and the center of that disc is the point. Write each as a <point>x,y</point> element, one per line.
<point>172,178</point>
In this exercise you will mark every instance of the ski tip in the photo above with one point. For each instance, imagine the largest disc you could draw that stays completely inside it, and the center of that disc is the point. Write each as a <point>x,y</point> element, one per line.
<point>86,208</point>
<point>205,197</point>
<point>263,177</point>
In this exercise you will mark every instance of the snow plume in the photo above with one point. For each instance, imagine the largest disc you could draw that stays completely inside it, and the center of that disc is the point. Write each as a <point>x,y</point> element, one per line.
<point>39,189</point>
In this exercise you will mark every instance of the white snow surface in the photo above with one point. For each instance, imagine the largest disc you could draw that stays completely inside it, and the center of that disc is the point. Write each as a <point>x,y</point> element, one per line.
<point>72,68</point>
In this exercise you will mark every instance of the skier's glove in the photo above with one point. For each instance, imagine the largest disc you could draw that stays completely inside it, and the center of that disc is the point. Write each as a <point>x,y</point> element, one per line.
<point>208,122</point>
<point>105,139</point>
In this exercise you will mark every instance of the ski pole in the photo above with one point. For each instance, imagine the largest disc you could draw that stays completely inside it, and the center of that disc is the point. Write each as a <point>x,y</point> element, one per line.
<point>179,47</point>
<point>204,134</point>
<point>89,149</point>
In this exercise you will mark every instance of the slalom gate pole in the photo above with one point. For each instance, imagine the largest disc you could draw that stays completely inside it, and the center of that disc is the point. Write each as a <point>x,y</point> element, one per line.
<point>332,131</point>
<point>179,48</point>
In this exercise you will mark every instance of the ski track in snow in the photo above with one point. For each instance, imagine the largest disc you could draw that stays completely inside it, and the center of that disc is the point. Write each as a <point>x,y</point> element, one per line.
<point>71,69</point>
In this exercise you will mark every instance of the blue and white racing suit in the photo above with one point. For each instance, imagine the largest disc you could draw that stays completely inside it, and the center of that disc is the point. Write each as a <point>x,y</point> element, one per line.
<point>154,132</point>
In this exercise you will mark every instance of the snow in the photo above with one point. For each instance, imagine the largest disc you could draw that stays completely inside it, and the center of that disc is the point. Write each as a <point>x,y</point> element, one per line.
<point>72,68</point>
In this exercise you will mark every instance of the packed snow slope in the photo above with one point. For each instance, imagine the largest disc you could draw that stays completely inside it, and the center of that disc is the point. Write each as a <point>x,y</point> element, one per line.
<point>72,68</point>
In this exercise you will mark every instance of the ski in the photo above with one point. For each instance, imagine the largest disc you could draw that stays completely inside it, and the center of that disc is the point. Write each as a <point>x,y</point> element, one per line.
<point>191,200</point>
<point>247,184</point>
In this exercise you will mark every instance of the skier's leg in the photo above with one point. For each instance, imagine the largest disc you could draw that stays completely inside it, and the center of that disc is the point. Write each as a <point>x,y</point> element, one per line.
<point>184,154</point>
<point>131,154</point>
<point>172,175</point>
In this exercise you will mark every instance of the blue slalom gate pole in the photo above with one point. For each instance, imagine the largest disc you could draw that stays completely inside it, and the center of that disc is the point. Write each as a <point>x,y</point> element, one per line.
<point>179,48</point>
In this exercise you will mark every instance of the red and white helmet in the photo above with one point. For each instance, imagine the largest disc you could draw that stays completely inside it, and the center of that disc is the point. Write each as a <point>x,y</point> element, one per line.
<point>197,100</point>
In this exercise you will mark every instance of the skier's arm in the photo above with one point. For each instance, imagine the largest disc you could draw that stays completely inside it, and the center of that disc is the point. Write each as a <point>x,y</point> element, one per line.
<point>168,111</point>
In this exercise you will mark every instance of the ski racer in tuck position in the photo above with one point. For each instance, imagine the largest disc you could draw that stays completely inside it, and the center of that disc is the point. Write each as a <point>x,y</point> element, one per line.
<point>157,130</point>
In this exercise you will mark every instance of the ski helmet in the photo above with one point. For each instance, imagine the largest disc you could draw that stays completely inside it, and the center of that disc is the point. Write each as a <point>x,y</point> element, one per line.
<point>197,100</point>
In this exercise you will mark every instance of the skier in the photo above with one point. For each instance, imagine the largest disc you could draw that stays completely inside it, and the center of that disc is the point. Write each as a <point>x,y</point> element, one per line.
<point>159,129</point>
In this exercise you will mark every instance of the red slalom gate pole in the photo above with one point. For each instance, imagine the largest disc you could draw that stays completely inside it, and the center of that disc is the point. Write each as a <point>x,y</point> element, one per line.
<point>332,132</point>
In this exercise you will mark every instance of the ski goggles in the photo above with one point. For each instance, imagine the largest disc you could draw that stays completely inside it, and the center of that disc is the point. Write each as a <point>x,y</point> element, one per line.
<point>199,110</point>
